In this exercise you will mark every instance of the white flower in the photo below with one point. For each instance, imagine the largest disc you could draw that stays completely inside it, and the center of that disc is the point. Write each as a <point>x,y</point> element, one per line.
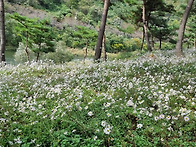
<point>139,125</point>
<point>117,116</point>
<point>73,130</point>
<point>130,103</point>
<point>140,102</point>
<point>18,140</point>
<point>162,116</point>
<point>166,98</point>
<point>186,118</point>
<point>103,123</point>
<point>90,113</point>
<point>107,105</point>
<point>180,133</point>
<point>130,85</point>
<point>107,130</point>
<point>86,107</point>
<point>95,137</point>
<point>97,130</point>
<point>11,143</point>
<point>170,128</point>
<point>156,118</point>
<point>168,117</point>
<point>57,90</point>
<point>109,127</point>
<point>108,114</point>
<point>80,108</point>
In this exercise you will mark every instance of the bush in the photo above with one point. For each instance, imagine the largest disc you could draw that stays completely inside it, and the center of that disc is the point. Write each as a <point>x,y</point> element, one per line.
<point>59,57</point>
<point>12,39</point>
<point>115,44</point>
<point>20,55</point>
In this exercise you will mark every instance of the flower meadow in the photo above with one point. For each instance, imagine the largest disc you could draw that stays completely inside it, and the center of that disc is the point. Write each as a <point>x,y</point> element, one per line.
<point>142,102</point>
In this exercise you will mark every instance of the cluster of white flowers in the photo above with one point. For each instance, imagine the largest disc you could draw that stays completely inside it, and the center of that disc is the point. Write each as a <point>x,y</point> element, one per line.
<point>107,128</point>
<point>77,89</point>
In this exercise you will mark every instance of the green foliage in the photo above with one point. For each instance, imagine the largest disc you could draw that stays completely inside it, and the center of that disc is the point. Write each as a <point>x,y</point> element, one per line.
<point>115,44</point>
<point>79,37</point>
<point>86,35</point>
<point>72,3</point>
<point>20,55</point>
<point>41,4</point>
<point>63,12</point>
<point>12,38</point>
<point>34,34</point>
<point>43,37</point>
<point>61,55</point>
<point>163,21</point>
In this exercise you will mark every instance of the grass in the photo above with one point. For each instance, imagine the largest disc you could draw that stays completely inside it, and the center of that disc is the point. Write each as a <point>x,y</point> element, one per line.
<point>141,102</point>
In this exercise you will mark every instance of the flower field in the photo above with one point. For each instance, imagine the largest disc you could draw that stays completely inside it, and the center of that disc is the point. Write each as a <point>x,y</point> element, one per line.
<point>142,102</point>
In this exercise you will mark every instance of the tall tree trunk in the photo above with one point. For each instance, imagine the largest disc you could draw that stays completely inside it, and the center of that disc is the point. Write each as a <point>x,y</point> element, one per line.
<point>101,30</point>
<point>160,42</point>
<point>37,58</point>
<point>152,41</point>
<point>104,50</point>
<point>145,26</point>
<point>26,46</point>
<point>2,31</point>
<point>195,41</point>
<point>86,50</point>
<point>152,38</point>
<point>143,36</point>
<point>181,31</point>
<point>38,54</point>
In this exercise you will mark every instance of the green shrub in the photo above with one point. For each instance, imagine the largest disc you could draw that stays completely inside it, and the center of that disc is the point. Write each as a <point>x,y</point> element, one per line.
<point>20,55</point>
<point>59,57</point>
<point>115,44</point>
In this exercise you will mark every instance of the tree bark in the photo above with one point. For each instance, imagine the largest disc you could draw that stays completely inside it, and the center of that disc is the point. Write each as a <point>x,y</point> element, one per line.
<point>26,46</point>
<point>143,36</point>
<point>101,30</point>
<point>160,43</point>
<point>2,29</point>
<point>145,26</point>
<point>179,51</point>
<point>152,41</point>
<point>195,41</point>
<point>37,58</point>
<point>104,50</point>
<point>86,50</point>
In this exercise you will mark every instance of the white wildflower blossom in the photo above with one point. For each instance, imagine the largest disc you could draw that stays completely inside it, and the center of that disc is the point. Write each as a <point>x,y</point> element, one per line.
<point>103,123</point>
<point>130,103</point>
<point>107,130</point>
<point>108,114</point>
<point>90,113</point>
<point>162,116</point>
<point>186,118</point>
<point>95,137</point>
<point>139,125</point>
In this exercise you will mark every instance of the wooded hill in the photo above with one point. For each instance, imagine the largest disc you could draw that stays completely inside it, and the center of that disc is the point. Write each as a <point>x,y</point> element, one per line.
<point>124,27</point>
